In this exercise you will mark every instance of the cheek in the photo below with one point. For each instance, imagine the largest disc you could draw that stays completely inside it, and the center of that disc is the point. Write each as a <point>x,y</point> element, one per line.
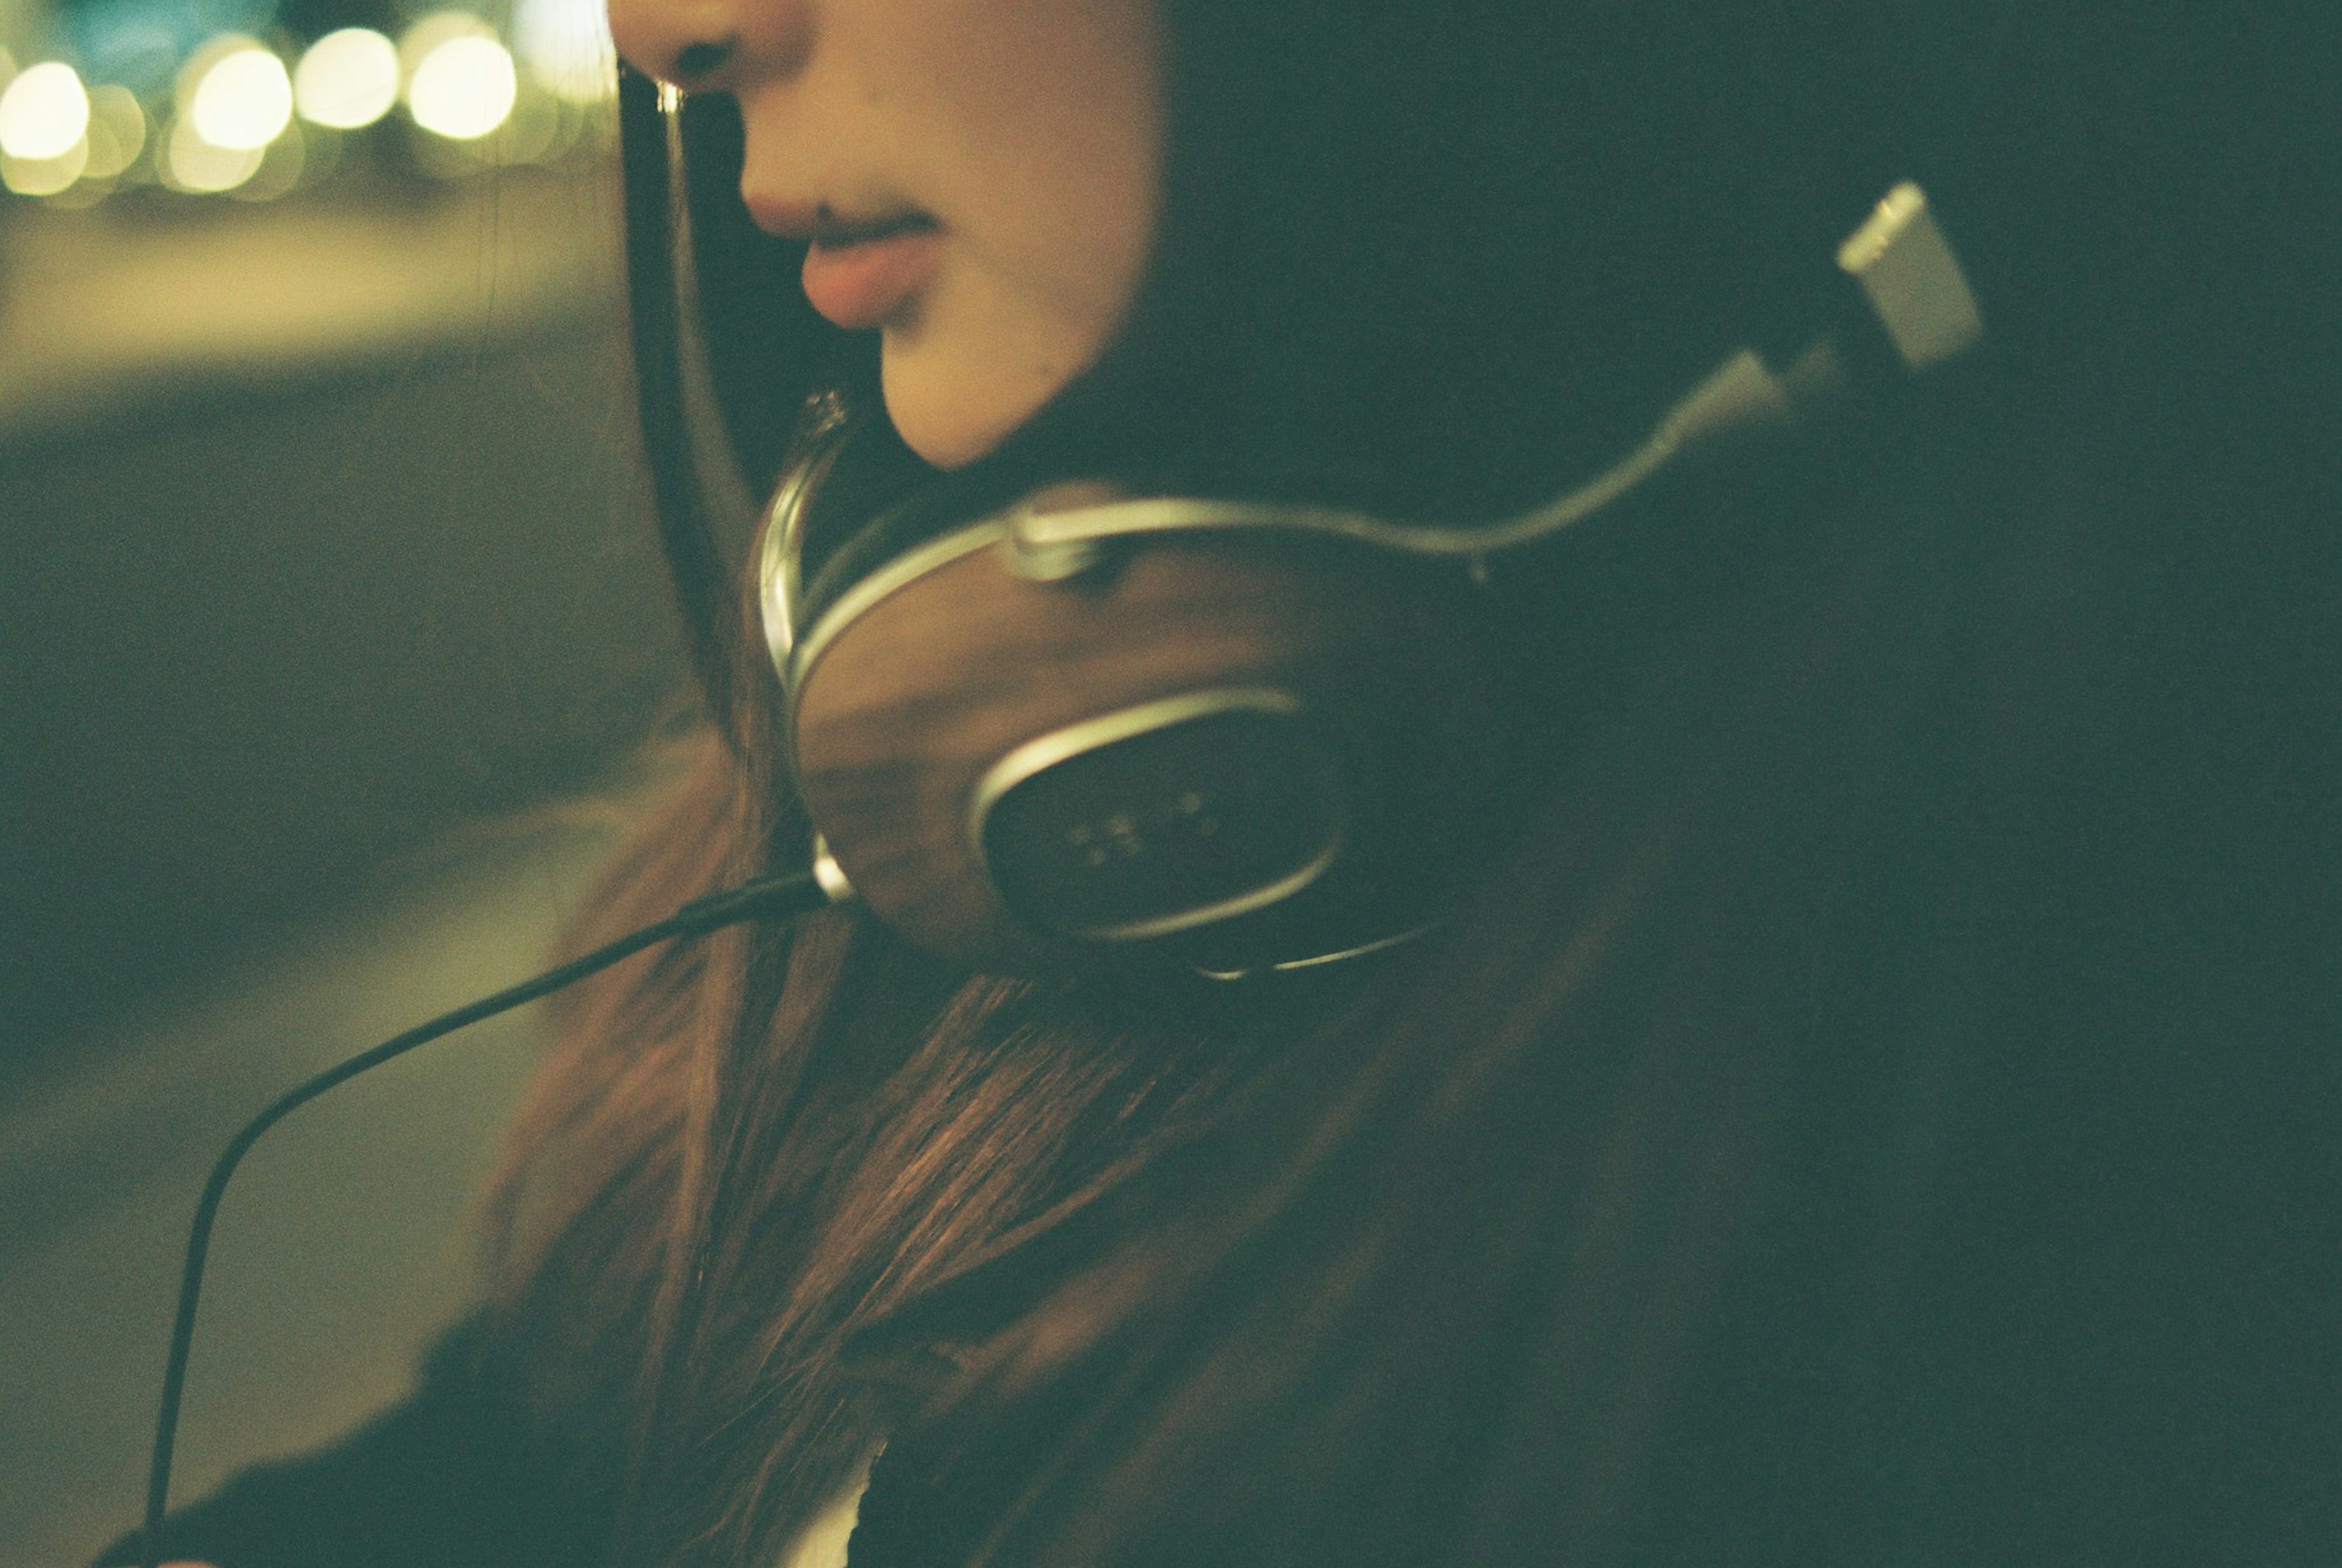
<point>1051,142</point>
<point>1037,135</point>
<point>1067,270</point>
<point>1009,323</point>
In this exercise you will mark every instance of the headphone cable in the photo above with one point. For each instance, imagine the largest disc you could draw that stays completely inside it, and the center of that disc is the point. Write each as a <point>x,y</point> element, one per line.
<point>770,898</point>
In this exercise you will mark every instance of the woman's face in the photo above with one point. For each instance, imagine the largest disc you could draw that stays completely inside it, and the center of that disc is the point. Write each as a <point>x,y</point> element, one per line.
<point>979,177</point>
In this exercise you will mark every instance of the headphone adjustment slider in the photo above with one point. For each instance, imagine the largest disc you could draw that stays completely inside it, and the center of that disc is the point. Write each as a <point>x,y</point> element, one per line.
<point>1912,279</point>
<point>1036,552</point>
<point>1052,561</point>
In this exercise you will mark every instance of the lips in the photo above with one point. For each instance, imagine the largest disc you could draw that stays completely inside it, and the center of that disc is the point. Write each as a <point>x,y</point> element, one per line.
<point>858,274</point>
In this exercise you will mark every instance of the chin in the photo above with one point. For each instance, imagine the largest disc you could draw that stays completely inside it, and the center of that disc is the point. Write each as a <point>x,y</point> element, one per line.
<point>944,444</point>
<point>948,413</point>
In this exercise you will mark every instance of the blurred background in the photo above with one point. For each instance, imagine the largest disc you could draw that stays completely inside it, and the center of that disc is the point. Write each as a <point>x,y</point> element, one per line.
<point>329,622</point>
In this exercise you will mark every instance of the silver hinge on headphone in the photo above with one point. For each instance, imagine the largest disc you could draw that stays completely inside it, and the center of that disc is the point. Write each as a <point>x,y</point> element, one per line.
<point>829,875</point>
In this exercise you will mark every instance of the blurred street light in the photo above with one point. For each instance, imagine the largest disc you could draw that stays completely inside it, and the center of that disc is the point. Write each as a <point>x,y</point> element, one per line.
<point>117,132</point>
<point>464,88</point>
<point>244,99</point>
<point>565,44</point>
<point>43,112</point>
<point>202,168</point>
<point>347,79</point>
<point>238,117</point>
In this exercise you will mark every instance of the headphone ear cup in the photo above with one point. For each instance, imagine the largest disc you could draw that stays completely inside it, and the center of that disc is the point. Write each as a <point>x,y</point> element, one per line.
<point>1231,750</point>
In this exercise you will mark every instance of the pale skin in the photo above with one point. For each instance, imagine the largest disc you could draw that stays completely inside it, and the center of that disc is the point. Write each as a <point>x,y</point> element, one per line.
<point>1029,131</point>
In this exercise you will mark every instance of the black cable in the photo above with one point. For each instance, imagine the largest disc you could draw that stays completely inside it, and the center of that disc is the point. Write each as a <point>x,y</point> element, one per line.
<point>767,898</point>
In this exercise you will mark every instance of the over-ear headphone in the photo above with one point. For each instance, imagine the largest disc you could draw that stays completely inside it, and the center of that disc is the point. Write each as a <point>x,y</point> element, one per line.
<point>1232,736</point>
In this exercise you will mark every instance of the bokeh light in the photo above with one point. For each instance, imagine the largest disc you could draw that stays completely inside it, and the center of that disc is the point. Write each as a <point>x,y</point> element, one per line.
<point>236,117</point>
<point>43,112</point>
<point>347,79</point>
<point>535,132</point>
<point>243,101</point>
<point>428,32</point>
<point>282,164</point>
<point>192,163</point>
<point>565,44</point>
<point>117,132</point>
<point>45,176</point>
<point>464,88</point>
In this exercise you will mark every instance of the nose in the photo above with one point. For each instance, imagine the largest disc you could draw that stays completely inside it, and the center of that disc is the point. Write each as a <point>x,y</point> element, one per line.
<point>721,45</point>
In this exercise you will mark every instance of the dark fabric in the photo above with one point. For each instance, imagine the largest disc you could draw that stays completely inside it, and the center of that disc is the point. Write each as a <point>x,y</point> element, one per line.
<point>461,1475</point>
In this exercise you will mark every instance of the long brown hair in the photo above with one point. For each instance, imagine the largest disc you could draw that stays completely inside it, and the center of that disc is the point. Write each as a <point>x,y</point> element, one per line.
<point>1528,1243</point>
